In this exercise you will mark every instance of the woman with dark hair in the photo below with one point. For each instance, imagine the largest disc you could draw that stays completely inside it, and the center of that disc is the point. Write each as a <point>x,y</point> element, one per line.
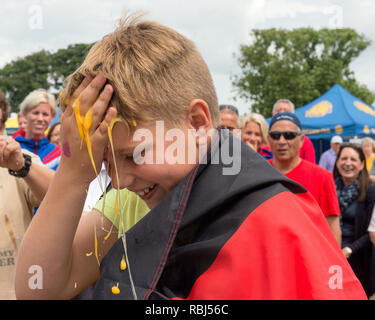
<point>356,197</point>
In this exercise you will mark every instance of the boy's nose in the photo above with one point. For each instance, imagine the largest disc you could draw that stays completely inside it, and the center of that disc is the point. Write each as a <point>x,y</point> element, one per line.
<point>126,177</point>
<point>127,181</point>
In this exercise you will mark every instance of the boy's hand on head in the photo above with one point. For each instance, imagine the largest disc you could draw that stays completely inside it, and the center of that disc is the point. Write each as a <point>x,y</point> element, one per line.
<point>92,94</point>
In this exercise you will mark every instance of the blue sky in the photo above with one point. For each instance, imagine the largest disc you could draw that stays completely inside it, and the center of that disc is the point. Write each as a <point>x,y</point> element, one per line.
<point>218,27</point>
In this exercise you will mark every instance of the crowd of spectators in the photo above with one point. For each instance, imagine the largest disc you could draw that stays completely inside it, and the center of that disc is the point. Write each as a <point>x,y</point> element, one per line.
<point>327,209</point>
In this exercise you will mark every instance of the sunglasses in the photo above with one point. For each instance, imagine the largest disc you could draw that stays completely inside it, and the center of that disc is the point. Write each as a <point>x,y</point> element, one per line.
<point>288,135</point>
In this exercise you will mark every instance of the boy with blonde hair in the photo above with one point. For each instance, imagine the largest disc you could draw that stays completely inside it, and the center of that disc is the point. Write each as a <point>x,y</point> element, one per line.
<point>212,233</point>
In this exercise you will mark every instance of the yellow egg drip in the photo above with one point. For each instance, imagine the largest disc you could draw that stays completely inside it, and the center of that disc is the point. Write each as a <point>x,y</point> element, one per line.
<point>116,289</point>
<point>117,201</point>
<point>96,246</point>
<point>109,233</point>
<point>110,128</point>
<point>87,122</point>
<point>61,98</point>
<point>84,124</point>
<point>123,264</point>
<point>79,118</point>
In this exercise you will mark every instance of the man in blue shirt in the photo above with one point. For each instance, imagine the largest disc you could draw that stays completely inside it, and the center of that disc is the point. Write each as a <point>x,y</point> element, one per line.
<point>328,158</point>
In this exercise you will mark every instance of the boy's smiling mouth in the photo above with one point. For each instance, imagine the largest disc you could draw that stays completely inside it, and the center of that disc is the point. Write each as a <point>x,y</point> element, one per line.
<point>147,193</point>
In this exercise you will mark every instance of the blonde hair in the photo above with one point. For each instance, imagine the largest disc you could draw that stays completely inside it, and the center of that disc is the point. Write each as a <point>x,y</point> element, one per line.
<point>35,98</point>
<point>260,120</point>
<point>155,73</point>
<point>369,141</point>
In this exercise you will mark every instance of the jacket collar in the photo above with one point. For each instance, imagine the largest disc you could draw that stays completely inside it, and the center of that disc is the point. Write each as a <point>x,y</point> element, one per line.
<point>150,241</point>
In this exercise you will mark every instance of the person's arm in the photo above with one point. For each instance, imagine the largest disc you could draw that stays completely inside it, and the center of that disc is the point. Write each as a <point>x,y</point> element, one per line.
<point>323,161</point>
<point>367,210</point>
<point>38,180</point>
<point>334,224</point>
<point>360,243</point>
<point>372,237</point>
<point>307,151</point>
<point>329,204</point>
<point>11,157</point>
<point>371,227</point>
<point>61,245</point>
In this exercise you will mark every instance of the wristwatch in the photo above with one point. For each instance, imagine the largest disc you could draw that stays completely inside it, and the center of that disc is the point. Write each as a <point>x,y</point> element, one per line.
<point>350,251</point>
<point>25,170</point>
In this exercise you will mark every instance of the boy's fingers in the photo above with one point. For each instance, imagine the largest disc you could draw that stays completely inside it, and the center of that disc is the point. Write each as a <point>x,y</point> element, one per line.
<point>101,106</point>
<point>89,94</point>
<point>103,127</point>
<point>85,82</point>
<point>82,86</point>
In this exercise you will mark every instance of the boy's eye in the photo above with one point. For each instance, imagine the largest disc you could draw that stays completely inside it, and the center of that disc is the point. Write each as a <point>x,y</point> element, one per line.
<point>133,156</point>
<point>138,155</point>
<point>129,157</point>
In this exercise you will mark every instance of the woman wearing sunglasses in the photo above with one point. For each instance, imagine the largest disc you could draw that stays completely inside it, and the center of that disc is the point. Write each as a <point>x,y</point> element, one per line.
<point>286,138</point>
<point>356,197</point>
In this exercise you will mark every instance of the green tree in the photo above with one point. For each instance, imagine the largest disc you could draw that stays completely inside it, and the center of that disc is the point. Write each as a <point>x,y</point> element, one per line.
<point>65,61</point>
<point>23,75</point>
<point>42,69</point>
<point>299,65</point>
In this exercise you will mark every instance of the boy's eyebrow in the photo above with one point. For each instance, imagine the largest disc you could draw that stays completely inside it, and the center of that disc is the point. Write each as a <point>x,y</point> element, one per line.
<point>125,150</point>
<point>131,149</point>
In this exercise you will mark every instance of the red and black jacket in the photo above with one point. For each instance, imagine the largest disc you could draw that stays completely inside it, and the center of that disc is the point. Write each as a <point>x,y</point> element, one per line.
<point>253,235</point>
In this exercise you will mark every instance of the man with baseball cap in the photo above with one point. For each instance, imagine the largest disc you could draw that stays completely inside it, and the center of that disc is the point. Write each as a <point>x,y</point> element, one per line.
<point>285,140</point>
<point>328,158</point>
<point>307,150</point>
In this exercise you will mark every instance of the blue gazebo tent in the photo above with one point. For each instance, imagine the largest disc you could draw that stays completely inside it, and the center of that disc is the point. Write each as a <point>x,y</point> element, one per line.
<point>336,112</point>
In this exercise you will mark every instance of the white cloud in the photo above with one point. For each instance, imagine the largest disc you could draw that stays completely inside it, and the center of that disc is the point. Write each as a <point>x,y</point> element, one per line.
<point>217,27</point>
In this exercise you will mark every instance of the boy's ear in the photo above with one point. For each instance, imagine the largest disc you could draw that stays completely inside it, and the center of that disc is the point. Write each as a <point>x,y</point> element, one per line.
<point>199,115</point>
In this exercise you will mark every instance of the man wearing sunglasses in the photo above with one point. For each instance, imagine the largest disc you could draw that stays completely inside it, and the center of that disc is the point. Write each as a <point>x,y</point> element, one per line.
<point>306,151</point>
<point>285,140</point>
